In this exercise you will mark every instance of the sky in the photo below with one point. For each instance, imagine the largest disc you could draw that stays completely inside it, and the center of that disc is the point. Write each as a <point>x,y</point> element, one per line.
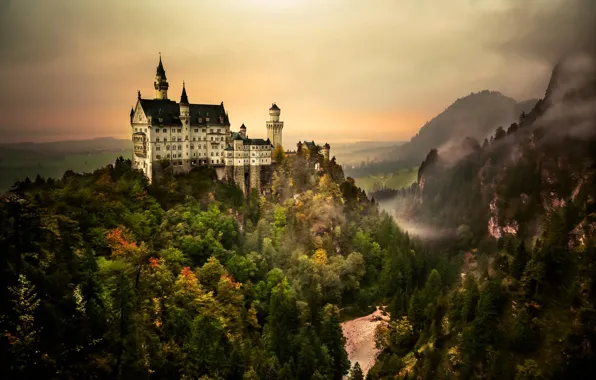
<point>340,70</point>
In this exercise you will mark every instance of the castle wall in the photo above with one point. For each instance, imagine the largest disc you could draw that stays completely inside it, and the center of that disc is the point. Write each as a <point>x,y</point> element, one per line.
<point>239,177</point>
<point>255,177</point>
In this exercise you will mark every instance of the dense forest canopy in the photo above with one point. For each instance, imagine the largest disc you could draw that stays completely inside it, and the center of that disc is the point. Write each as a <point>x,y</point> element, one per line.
<point>106,276</point>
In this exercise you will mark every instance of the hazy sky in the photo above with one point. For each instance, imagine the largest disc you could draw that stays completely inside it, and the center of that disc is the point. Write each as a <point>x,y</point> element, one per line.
<point>340,70</point>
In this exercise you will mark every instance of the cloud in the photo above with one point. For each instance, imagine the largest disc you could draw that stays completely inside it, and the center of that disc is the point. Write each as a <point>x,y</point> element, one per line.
<point>353,60</point>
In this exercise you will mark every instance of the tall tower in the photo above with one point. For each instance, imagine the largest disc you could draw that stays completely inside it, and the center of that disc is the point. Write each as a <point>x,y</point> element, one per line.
<point>184,107</point>
<point>161,82</point>
<point>274,126</point>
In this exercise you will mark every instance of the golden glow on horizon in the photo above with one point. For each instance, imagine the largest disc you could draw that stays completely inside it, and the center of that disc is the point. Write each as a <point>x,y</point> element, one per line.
<point>339,69</point>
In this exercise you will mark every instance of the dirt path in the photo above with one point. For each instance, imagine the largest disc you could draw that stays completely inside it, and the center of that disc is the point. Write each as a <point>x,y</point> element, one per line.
<point>360,339</point>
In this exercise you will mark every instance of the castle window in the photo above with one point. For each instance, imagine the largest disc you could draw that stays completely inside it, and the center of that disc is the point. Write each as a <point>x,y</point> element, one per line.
<point>180,147</point>
<point>211,130</point>
<point>218,130</point>
<point>191,146</point>
<point>186,154</point>
<point>157,148</point>
<point>179,155</point>
<point>168,155</point>
<point>253,161</point>
<point>167,147</point>
<point>158,157</point>
<point>194,139</point>
<point>164,130</point>
<point>179,130</point>
<point>165,139</point>
<point>179,138</point>
<point>136,129</point>
<point>157,139</point>
<point>204,130</point>
<point>211,154</point>
<point>196,130</point>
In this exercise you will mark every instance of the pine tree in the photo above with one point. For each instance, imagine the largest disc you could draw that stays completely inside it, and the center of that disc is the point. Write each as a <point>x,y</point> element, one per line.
<point>356,372</point>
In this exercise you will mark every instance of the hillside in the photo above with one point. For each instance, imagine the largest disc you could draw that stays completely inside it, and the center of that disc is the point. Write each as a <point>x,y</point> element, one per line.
<point>520,210</point>
<point>105,276</point>
<point>476,115</point>
<point>52,159</point>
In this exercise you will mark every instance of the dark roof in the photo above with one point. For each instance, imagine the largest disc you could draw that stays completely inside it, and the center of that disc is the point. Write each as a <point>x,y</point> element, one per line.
<point>247,141</point>
<point>310,144</point>
<point>160,71</point>
<point>229,148</point>
<point>326,146</point>
<point>256,142</point>
<point>274,107</point>
<point>169,111</point>
<point>132,111</point>
<point>183,97</point>
<point>242,126</point>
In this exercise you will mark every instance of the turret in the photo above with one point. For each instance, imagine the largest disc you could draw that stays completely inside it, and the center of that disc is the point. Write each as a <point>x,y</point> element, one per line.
<point>243,131</point>
<point>274,112</point>
<point>326,149</point>
<point>274,126</point>
<point>161,82</point>
<point>184,106</point>
<point>132,113</point>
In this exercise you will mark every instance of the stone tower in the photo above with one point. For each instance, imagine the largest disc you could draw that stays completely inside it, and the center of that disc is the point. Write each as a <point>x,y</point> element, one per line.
<point>326,151</point>
<point>274,126</point>
<point>161,82</point>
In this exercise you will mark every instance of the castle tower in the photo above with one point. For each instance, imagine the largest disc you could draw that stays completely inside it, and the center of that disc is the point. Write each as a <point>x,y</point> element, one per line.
<point>184,107</point>
<point>326,150</point>
<point>243,131</point>
<point>161,82</point>
<point>274,126</point>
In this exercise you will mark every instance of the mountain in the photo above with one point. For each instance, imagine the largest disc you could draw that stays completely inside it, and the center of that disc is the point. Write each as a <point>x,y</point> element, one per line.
<point>475,115</point>
<point>520,213</point>
<point>62,148</point>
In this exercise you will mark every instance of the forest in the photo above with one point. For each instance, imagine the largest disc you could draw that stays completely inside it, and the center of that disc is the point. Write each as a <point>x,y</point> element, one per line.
<point>105,276</point>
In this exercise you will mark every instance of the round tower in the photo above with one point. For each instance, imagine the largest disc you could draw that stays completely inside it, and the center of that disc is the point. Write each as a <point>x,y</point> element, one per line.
<point>274,126</point>
<point>161,82</point>
<point>326,151</point>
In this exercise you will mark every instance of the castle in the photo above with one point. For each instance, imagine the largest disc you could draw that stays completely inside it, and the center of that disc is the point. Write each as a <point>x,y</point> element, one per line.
<point>183,135</point>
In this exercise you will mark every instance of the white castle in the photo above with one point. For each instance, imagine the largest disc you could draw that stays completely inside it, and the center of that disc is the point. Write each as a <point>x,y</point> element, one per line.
<point>183,135</point>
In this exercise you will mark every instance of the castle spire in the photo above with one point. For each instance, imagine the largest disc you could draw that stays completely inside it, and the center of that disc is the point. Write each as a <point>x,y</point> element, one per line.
<point>160,70</point>
<point>183,97</point>
<point>161,82</point>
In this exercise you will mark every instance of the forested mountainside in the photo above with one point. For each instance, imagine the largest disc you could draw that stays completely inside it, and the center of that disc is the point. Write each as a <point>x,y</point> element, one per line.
<point>476,115</point>
<point>520,206</point>
<point>107,277</point>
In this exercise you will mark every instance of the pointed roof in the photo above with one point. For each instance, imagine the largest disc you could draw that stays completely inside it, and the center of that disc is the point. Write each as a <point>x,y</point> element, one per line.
<point>132,111</point>
<point>183,97</point>
<point>274,107</point>
<point>160,71</point>
<point>242,126</point>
